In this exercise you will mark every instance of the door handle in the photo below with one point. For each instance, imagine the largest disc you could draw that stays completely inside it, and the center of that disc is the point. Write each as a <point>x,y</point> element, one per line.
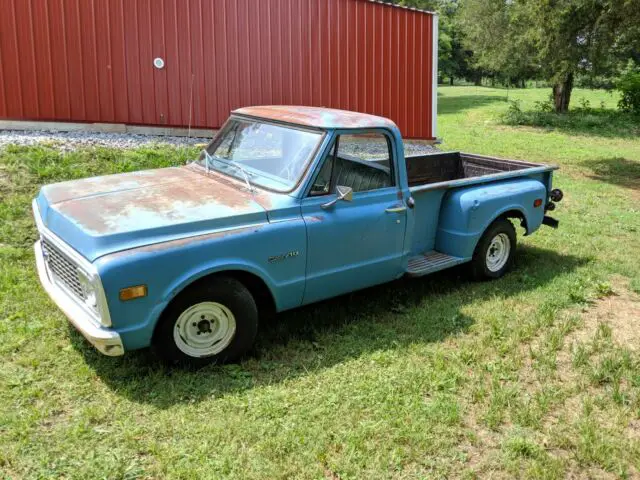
<point>396,209</point>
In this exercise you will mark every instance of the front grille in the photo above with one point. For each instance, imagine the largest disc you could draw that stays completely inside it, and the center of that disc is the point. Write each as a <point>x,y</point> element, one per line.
<point>64,270</point>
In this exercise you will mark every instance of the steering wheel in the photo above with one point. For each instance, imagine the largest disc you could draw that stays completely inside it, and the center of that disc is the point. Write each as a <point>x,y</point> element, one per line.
<point>287,170</point>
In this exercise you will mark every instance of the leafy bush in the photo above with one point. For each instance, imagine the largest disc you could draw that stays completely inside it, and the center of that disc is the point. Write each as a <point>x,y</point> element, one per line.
<point>585,105</point>
<point>541,116</point>
<point>514,114</point>
<point>583,119</point>
<point>629,87</point>
<point>545,107</point>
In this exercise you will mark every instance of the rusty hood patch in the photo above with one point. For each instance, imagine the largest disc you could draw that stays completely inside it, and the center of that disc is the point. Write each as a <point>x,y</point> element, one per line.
<point>102,215</point>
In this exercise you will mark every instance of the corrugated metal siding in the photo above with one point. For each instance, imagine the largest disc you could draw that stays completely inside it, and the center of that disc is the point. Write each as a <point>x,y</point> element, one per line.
<point>91,60</point>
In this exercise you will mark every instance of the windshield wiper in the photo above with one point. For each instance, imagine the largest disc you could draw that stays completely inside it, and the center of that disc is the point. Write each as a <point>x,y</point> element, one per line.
<point>207,157</point>
<point>245,175</point>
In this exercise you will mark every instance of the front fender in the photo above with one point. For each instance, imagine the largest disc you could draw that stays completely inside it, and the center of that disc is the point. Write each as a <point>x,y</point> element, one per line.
<point>144,331</point>
<point>466,213</point>
<point>168,270</point>
<point>217,266</point>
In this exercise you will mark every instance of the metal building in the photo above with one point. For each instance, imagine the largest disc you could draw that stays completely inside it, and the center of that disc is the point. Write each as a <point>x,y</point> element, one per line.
<point>190,62</point>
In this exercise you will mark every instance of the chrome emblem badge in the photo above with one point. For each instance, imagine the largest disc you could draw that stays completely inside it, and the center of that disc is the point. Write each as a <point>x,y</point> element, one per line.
<point>284,256</point>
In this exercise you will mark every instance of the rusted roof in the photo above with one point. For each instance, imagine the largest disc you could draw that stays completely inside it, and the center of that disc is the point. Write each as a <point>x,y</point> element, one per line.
<point>317,117</point>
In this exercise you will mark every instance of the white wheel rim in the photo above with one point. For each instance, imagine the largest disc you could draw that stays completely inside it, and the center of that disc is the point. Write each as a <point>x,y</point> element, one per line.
<point>498,252</point>
<point>204,329</point>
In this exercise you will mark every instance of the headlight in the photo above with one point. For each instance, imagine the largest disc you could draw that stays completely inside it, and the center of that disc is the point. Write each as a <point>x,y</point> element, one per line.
<point>89,291</point>
<point>92,294</point>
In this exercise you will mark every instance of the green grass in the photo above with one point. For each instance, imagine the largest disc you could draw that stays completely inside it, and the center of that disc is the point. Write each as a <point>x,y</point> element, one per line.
<point>437,377</point>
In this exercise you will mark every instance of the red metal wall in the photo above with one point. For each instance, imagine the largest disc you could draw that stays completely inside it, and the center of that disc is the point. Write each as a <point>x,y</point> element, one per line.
<point>92,60</point>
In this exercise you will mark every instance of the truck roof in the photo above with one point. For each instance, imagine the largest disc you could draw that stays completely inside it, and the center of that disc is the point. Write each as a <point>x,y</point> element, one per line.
<point>318,117</point>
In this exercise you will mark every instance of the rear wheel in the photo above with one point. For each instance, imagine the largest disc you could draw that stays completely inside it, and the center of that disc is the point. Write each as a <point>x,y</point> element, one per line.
<point>211,322</point>
<point>495,251</point>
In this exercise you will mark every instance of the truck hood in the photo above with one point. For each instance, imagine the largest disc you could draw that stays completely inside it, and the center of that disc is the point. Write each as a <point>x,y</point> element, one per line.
<point>101,215</point>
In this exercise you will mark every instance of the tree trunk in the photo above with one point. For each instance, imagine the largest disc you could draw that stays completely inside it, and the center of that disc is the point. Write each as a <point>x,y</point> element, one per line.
<point>562,93</point>
<point>451,81</point>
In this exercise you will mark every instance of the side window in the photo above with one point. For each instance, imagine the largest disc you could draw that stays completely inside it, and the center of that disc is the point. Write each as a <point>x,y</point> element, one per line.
<point>363,162</point>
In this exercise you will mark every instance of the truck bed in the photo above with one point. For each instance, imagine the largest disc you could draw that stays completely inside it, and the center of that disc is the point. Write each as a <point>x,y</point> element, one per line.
<point>433,178</point>
<point>444,169</point>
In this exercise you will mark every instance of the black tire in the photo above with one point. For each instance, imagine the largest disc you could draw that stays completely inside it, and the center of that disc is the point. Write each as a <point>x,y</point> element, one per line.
<point>225,291</point>
<point>480,268</point>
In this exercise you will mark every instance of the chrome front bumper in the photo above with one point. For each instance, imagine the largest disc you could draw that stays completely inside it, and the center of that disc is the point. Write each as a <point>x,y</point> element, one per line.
<point>105,340</point>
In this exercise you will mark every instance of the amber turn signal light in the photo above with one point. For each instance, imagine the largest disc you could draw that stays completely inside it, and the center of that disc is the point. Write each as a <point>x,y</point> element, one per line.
<point>130,293</point>
<point>537,202</point>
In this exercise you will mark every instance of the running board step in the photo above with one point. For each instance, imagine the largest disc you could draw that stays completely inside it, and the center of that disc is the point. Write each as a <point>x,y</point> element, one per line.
<point>431,262</point>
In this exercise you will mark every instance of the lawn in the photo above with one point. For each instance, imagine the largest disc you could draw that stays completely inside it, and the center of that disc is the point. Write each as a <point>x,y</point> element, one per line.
<point>536,375</point>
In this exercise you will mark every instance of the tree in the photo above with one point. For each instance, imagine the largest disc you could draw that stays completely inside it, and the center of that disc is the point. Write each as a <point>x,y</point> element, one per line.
<point>552,39</point>
<point>454,58</point>
<point>491,30</point>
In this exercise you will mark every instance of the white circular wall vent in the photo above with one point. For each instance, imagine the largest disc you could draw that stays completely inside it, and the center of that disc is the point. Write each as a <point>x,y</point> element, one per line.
<point>158,63</point>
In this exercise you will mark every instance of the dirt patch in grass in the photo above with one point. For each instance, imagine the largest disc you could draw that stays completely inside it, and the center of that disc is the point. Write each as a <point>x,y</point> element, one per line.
<point>620,311</point>
<point>574,367</point>
<point>580,472</point>
<point>480,446</point>
<point>608,327</point>
<point>615,314</point>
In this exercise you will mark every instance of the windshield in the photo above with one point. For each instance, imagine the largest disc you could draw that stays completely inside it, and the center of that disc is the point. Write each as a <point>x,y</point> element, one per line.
<point>262,154</point>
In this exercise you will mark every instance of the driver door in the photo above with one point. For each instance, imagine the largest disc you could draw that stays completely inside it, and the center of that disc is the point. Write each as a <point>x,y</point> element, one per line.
<point>358,243</point>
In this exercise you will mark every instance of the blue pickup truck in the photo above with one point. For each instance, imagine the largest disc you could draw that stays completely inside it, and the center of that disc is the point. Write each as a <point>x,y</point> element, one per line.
<point>286,206</point>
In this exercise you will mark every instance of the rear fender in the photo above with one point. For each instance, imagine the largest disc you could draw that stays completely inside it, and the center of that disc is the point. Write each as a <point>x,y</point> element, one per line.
<point>467,212</point>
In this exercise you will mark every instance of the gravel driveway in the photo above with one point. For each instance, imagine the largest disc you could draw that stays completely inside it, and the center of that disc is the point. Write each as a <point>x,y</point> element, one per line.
<point>67,141</point>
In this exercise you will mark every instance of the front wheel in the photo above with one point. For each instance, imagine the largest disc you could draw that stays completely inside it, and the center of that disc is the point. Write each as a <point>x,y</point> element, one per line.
<point>214,321</point>
<point>495,250</point>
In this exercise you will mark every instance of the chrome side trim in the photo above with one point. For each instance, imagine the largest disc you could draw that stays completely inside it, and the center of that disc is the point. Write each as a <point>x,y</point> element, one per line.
<point>106,341</point>
<point>103,318</point>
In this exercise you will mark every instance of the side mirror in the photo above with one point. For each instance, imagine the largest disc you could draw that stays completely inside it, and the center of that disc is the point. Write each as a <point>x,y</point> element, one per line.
<point>342,193</point>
